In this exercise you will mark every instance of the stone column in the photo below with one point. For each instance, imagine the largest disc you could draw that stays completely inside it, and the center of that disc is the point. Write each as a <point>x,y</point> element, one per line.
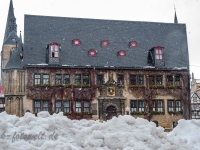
<point>100,109</point>
<point>21,107</point>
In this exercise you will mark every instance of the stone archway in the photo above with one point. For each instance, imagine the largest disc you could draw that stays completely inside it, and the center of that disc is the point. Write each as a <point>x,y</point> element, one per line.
<point>110,112</point>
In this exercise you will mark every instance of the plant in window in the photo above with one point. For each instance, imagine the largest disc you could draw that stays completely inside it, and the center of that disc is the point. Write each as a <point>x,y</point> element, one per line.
<point>86,86</point>
<point>78,113</point>
<point>174,87</point>
<point>158,112</point>
<point>179,112</point>
<point>59,85</point>
<point>171,87</point>
<point>45,85</point>
<point>138,113</point>
<point>77,85</point>
<point>178,86</point>
<point>175,112</point>
<point>87,113</point>
<point>136,86</point>
<point>157,86</point>
<point>67,85</point>
<point>172,112</point>
<point>38,85</point>
<point>66,113</point>
<point>100,85</point>
<point>121,85</point>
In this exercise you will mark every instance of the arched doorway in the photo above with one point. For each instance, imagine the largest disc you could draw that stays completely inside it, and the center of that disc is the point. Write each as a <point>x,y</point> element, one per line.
<point>110,112</point>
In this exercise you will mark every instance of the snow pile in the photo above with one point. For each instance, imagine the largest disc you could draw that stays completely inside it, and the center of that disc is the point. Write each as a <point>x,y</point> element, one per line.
<point>57,132</point>
<point>189,131</point>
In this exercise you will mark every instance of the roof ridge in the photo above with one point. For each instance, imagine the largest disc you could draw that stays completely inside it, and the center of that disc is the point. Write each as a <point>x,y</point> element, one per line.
<point>108,20</point>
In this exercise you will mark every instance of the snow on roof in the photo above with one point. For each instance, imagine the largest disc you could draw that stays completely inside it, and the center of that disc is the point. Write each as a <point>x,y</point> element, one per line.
<point>180,68</point>
<point>38,64</point>
<point>56,132</point>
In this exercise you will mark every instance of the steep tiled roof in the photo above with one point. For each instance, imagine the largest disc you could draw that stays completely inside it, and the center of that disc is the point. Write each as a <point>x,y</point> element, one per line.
<point>14,62</point>
<point>11,21</point>
<point>41,30</point>
<point>12,39</point>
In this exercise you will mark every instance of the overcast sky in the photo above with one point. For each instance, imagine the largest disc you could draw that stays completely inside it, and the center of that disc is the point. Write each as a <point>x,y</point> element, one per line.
<point>188,12</point>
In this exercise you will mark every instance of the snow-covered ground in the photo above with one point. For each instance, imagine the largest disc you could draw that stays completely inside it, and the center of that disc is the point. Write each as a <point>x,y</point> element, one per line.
<point>57,132</point>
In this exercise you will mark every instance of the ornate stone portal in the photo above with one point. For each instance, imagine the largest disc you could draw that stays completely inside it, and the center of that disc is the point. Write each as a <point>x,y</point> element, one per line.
<point>111,100</point>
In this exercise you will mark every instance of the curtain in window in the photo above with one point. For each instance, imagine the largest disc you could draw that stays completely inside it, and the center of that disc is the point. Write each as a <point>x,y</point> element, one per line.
<point>37,79</point>
<point>86,106</point>
<point>78,106</point>
<point>58,107</point>
<point>171,105</point>
<point>66,106</point>
<point>45,106</point>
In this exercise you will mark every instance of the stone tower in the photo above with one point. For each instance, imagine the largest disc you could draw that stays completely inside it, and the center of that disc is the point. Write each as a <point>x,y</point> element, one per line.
<point>12,73</point>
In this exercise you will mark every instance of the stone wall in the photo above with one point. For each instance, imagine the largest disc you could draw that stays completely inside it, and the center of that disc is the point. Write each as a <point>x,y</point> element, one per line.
<point>14,84</point>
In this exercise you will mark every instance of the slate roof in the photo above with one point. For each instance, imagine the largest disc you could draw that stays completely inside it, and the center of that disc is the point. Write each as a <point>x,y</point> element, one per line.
<point>42,30</point>
<point>10,23</point>
<point>14,62</point>
<point>11,36</point>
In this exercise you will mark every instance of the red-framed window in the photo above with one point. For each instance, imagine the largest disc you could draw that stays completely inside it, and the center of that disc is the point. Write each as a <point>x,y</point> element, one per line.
<point>76,42</point>
<point>159,52</point>
<point>105,43</point>
<point>121,53</point>
<point>54,49</point>
<point>133,44</point>
<point>92,53</point>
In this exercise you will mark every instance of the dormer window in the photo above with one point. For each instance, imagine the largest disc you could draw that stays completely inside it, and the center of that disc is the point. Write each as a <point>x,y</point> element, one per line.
<point>105,43</point>
<point>156,56</point>
<point>92,53</point>
<point>121,53</point>
<point>76,42</point>
<point>133,44</point>
<point>158,52</point>
<point>54,48</point>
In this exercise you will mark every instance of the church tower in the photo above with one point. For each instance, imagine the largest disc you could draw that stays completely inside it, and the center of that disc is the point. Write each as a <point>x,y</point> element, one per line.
<point>11,41</point>
<point>175,18</point>
<point>11,21</point>
<point>12,72</point>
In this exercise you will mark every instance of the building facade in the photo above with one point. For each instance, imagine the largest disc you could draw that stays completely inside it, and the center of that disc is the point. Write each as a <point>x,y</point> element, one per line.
<point>101,67</point>
<point>2,99</point>
<point>195,98</point>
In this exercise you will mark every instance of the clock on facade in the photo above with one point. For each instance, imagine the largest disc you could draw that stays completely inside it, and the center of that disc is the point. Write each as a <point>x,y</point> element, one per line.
<point>110,91</point>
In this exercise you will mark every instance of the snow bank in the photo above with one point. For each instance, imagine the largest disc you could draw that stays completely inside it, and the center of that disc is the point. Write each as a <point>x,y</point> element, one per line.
<point>188,131</point>
<point>57,132</point>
